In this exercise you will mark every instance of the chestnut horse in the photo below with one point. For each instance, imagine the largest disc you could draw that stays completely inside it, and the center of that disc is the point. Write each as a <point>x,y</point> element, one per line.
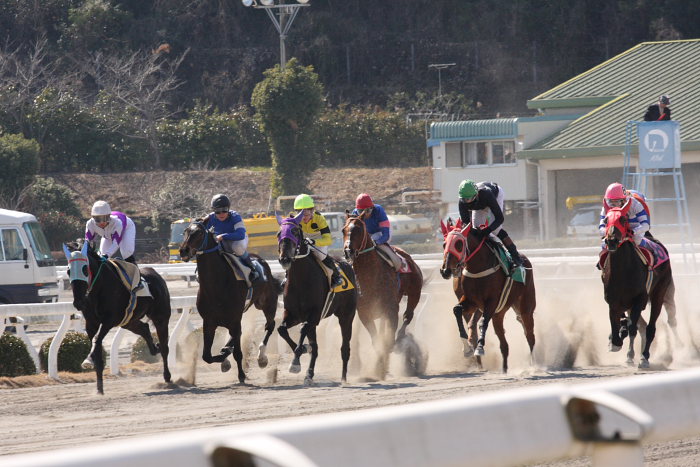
<point>99,294</point>
<point>221,298</point>
<point>629,284</point>
<point>381,287</point>
<point>483,288</point>
<point>306,297</point>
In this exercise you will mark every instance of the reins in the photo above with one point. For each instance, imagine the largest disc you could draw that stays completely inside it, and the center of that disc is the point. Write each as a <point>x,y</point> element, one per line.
<point>365,236</point>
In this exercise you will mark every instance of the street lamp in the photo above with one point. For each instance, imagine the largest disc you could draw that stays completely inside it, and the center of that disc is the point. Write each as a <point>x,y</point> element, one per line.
<point>282,19</point>
<point>439,67</point>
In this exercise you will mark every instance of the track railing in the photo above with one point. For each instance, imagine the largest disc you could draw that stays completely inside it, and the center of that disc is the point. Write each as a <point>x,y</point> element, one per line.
<point>71,318</point>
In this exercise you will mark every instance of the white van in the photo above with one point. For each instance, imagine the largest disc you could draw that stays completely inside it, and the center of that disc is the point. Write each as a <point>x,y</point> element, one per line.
<point>336,222</point>
<point>27,270</point>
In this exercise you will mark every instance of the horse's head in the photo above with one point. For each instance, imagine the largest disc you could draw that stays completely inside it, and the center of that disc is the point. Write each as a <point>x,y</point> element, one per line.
<point>290,240</point>
<point>355,236</point>
<point>195,238</point>
<point>78,256</point>
<point>455,247</point>
<point>618,229</point>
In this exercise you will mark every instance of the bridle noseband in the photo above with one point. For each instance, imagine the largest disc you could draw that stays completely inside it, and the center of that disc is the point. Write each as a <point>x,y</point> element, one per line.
<point>297,240</point>
<point>366,239</point>
<point>202,248</point>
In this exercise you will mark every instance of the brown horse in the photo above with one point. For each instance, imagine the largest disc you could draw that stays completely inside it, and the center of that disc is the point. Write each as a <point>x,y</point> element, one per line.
<point>483,288</point>
<point>629,284</point>
<point>381,288</point>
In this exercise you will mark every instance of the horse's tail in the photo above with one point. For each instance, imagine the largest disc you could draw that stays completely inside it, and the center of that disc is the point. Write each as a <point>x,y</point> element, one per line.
<point>275,283</point>
<point>670,303</point>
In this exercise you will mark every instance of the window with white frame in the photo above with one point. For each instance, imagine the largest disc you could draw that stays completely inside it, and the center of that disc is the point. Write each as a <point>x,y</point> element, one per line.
<point>489,153</point>
<point>453,154</point>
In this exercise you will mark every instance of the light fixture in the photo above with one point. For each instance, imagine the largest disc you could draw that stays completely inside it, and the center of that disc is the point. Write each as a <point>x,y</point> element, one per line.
<point>302,1</point>
<point>247,2</point>
<point>267,2</point>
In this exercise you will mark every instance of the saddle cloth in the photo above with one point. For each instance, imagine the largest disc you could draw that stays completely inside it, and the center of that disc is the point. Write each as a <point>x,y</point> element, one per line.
<point>504,258</point>
<point>654,255</point>
<point>405,267</point>
<point>347,283</point>
<point>130,277</point>
<point>242,271</point>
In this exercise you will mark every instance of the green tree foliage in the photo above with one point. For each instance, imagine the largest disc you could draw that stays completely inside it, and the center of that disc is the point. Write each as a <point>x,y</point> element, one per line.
<point>14,357</point>
<point>208,137</point>
<point>56,210</point>
<point>288,103</point>
<point>19,159</point>
<point>363,137</point>
<point>95,25</point>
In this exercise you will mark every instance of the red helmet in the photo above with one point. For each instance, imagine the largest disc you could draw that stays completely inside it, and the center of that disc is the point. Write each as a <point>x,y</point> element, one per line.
<point>364,201</point>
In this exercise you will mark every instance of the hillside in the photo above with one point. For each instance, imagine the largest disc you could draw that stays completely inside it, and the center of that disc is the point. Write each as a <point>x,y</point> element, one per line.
<point>139,193</point>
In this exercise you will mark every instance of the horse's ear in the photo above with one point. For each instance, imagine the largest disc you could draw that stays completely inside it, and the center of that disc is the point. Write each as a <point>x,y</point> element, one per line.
<point>298,217</point>
<point>347,213</point>
<point>66,251</point>
<point>625,209</point>
<point>279,218</point>
<point>84,249</point>
<point>467,228</point>
<point>443,228</point>
<point>458,225</point>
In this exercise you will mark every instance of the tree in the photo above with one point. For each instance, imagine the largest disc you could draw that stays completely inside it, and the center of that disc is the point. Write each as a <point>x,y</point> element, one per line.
<point>288,103</point>
<point>19,162</point>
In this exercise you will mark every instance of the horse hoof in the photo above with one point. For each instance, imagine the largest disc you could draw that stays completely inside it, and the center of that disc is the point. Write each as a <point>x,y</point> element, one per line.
<point>630,362</point>
<point>644,364</point>
<point>479,352</point>
<point>262,361</point>
<point>614,348</point>
<point>225,366</point>
<point>467,348</point>
<point>87,364</point>
<point>294,368</point>
<point>308,381</point>
<point>623,333</point>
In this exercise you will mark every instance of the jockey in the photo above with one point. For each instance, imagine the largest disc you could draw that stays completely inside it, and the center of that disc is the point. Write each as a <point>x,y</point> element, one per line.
<point>117,230</point>
<point>378,226</point>
<point>482,204</point>
<point>317,232</point>
<point>229,232</point>
<point>615,197</point>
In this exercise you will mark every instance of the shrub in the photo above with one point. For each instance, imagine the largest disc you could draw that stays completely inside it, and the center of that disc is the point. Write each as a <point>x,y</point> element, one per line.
<point>14,357</point>
<point>74,348</point>
<point>140,351</point>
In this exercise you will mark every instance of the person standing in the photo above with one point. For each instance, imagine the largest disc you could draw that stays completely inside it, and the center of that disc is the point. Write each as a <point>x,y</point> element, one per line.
<point>659,111</point>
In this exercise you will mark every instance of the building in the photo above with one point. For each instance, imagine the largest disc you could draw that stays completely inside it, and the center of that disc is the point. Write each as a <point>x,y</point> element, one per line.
<point>575,144</point>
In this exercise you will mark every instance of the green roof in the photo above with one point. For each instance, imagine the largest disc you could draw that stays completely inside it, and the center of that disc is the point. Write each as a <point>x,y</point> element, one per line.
<point>496,128</point>
<point>621,89</point>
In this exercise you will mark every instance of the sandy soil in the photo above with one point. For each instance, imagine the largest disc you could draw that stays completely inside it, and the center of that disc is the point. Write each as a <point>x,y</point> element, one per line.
<point>571,329</point>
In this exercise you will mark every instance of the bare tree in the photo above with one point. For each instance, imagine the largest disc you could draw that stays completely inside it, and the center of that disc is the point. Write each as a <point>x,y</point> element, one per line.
<point>139,84</point>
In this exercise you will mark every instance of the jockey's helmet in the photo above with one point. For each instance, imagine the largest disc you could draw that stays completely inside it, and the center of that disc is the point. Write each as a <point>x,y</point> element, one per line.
<point>467,189</point>
<point>303,201</point>
<point>615,195</point>
<point>665,100</point>
<point>364,201</point>
<point>101,208</point>
<point>220,203</point>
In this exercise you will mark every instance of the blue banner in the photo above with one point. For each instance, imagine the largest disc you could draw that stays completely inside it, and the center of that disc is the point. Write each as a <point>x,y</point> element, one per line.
<point>659,144</point>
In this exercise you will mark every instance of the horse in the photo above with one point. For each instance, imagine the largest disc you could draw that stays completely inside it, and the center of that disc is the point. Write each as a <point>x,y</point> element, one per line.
<point>629,284</point>
<point>381,287</point>
<point>306,296</point>
<point>221,298</point>
<point>484,289</point>
<point>99,293</point>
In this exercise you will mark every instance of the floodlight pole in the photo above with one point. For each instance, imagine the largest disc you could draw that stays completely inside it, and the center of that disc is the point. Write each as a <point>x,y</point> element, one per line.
<point>282,20</point>
<point>439,67</point>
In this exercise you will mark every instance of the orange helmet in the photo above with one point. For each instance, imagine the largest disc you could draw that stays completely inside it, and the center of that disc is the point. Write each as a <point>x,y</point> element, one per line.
<point>364,201</point>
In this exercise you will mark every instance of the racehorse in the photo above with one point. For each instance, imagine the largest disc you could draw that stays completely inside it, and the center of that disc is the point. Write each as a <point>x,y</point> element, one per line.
<point>381,288</point>
<point>99,293</point>
<point>484,289</point>
<point>629,284</point>
<point>221,299</point>
<point>306,297</point>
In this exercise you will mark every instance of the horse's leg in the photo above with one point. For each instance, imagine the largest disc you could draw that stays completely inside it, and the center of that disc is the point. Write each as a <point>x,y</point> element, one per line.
<point>657,301</point>
<point>461,315</point>
<point>283,329</point>
<point>269,328</point>
<point>235,344</point>
<point>311,333</point>
<point>614,315</point>
<point>526,315</point>
<point>96,355</point>
<point>161,326</point>
<point>208,331</point>
<point>345,322</point>
<point>91,328</point>
<point>413,297</point>
<point>368,323</point>
<point>501,333</point>
<point>295,366</point>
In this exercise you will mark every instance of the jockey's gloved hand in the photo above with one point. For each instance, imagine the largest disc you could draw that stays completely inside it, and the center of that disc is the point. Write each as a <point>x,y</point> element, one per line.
<point>376,236</point>
<point>310,241</point>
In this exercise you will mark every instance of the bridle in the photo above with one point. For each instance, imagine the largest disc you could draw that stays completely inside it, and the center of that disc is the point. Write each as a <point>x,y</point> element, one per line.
<point>296,238</point>
<point>202,248</point>
<point>351,254</point>
<point>453,239</point>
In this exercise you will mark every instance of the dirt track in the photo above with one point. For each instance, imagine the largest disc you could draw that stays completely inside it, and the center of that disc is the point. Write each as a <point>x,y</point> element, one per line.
<point>571,332</point>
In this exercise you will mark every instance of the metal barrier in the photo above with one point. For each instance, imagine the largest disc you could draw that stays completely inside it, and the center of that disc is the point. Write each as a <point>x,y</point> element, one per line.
<point>187,306</point>
<point>609,421</point>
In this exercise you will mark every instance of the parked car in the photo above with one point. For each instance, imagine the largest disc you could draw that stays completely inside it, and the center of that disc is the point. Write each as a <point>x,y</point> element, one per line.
<point>585,222</point>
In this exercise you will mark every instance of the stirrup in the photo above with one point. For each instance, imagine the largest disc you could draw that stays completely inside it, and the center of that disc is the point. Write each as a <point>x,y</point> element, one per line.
<point>336,280</point>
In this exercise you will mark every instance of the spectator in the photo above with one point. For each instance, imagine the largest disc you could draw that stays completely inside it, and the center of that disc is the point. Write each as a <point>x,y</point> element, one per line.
<point>659,111</point>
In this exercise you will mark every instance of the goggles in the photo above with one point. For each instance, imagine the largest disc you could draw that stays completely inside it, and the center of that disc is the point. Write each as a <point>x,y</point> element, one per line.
<point>469,200</point>
<point>615,203</point>
<point>100,219</point>
<point>220,210</point>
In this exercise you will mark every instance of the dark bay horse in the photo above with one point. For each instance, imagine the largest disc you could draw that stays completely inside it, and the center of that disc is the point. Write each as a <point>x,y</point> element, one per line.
<point>381,287</point>
<point>221,298</point>
<point>100,295</point>
<point>305,297</point>
<point>629,284</point>
<point>484,289</point>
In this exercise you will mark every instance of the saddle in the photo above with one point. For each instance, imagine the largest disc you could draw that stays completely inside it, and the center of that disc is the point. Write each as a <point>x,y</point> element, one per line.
<point>131,279</point>
<point>405,267</point>
<point>506,261</point>
<point>241,271</point>
<point>653,256</point>
<point>347,283</point>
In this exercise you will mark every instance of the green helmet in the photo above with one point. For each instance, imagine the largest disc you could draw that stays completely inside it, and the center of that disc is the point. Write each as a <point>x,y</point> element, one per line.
<point>303,201</point>
<point>467,189</point>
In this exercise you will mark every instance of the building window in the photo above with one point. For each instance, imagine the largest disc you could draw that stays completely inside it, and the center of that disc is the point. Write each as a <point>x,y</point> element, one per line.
<point>489,153</point>
<point>453,154</point>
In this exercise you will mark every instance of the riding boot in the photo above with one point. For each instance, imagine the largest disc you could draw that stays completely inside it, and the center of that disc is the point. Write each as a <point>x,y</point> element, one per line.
<point>254,276</point>
<point>336,280</point>
<point>510,246</point>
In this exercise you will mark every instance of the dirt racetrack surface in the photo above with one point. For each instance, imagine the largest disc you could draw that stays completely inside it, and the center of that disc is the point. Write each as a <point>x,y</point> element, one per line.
<point>571,329</point>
